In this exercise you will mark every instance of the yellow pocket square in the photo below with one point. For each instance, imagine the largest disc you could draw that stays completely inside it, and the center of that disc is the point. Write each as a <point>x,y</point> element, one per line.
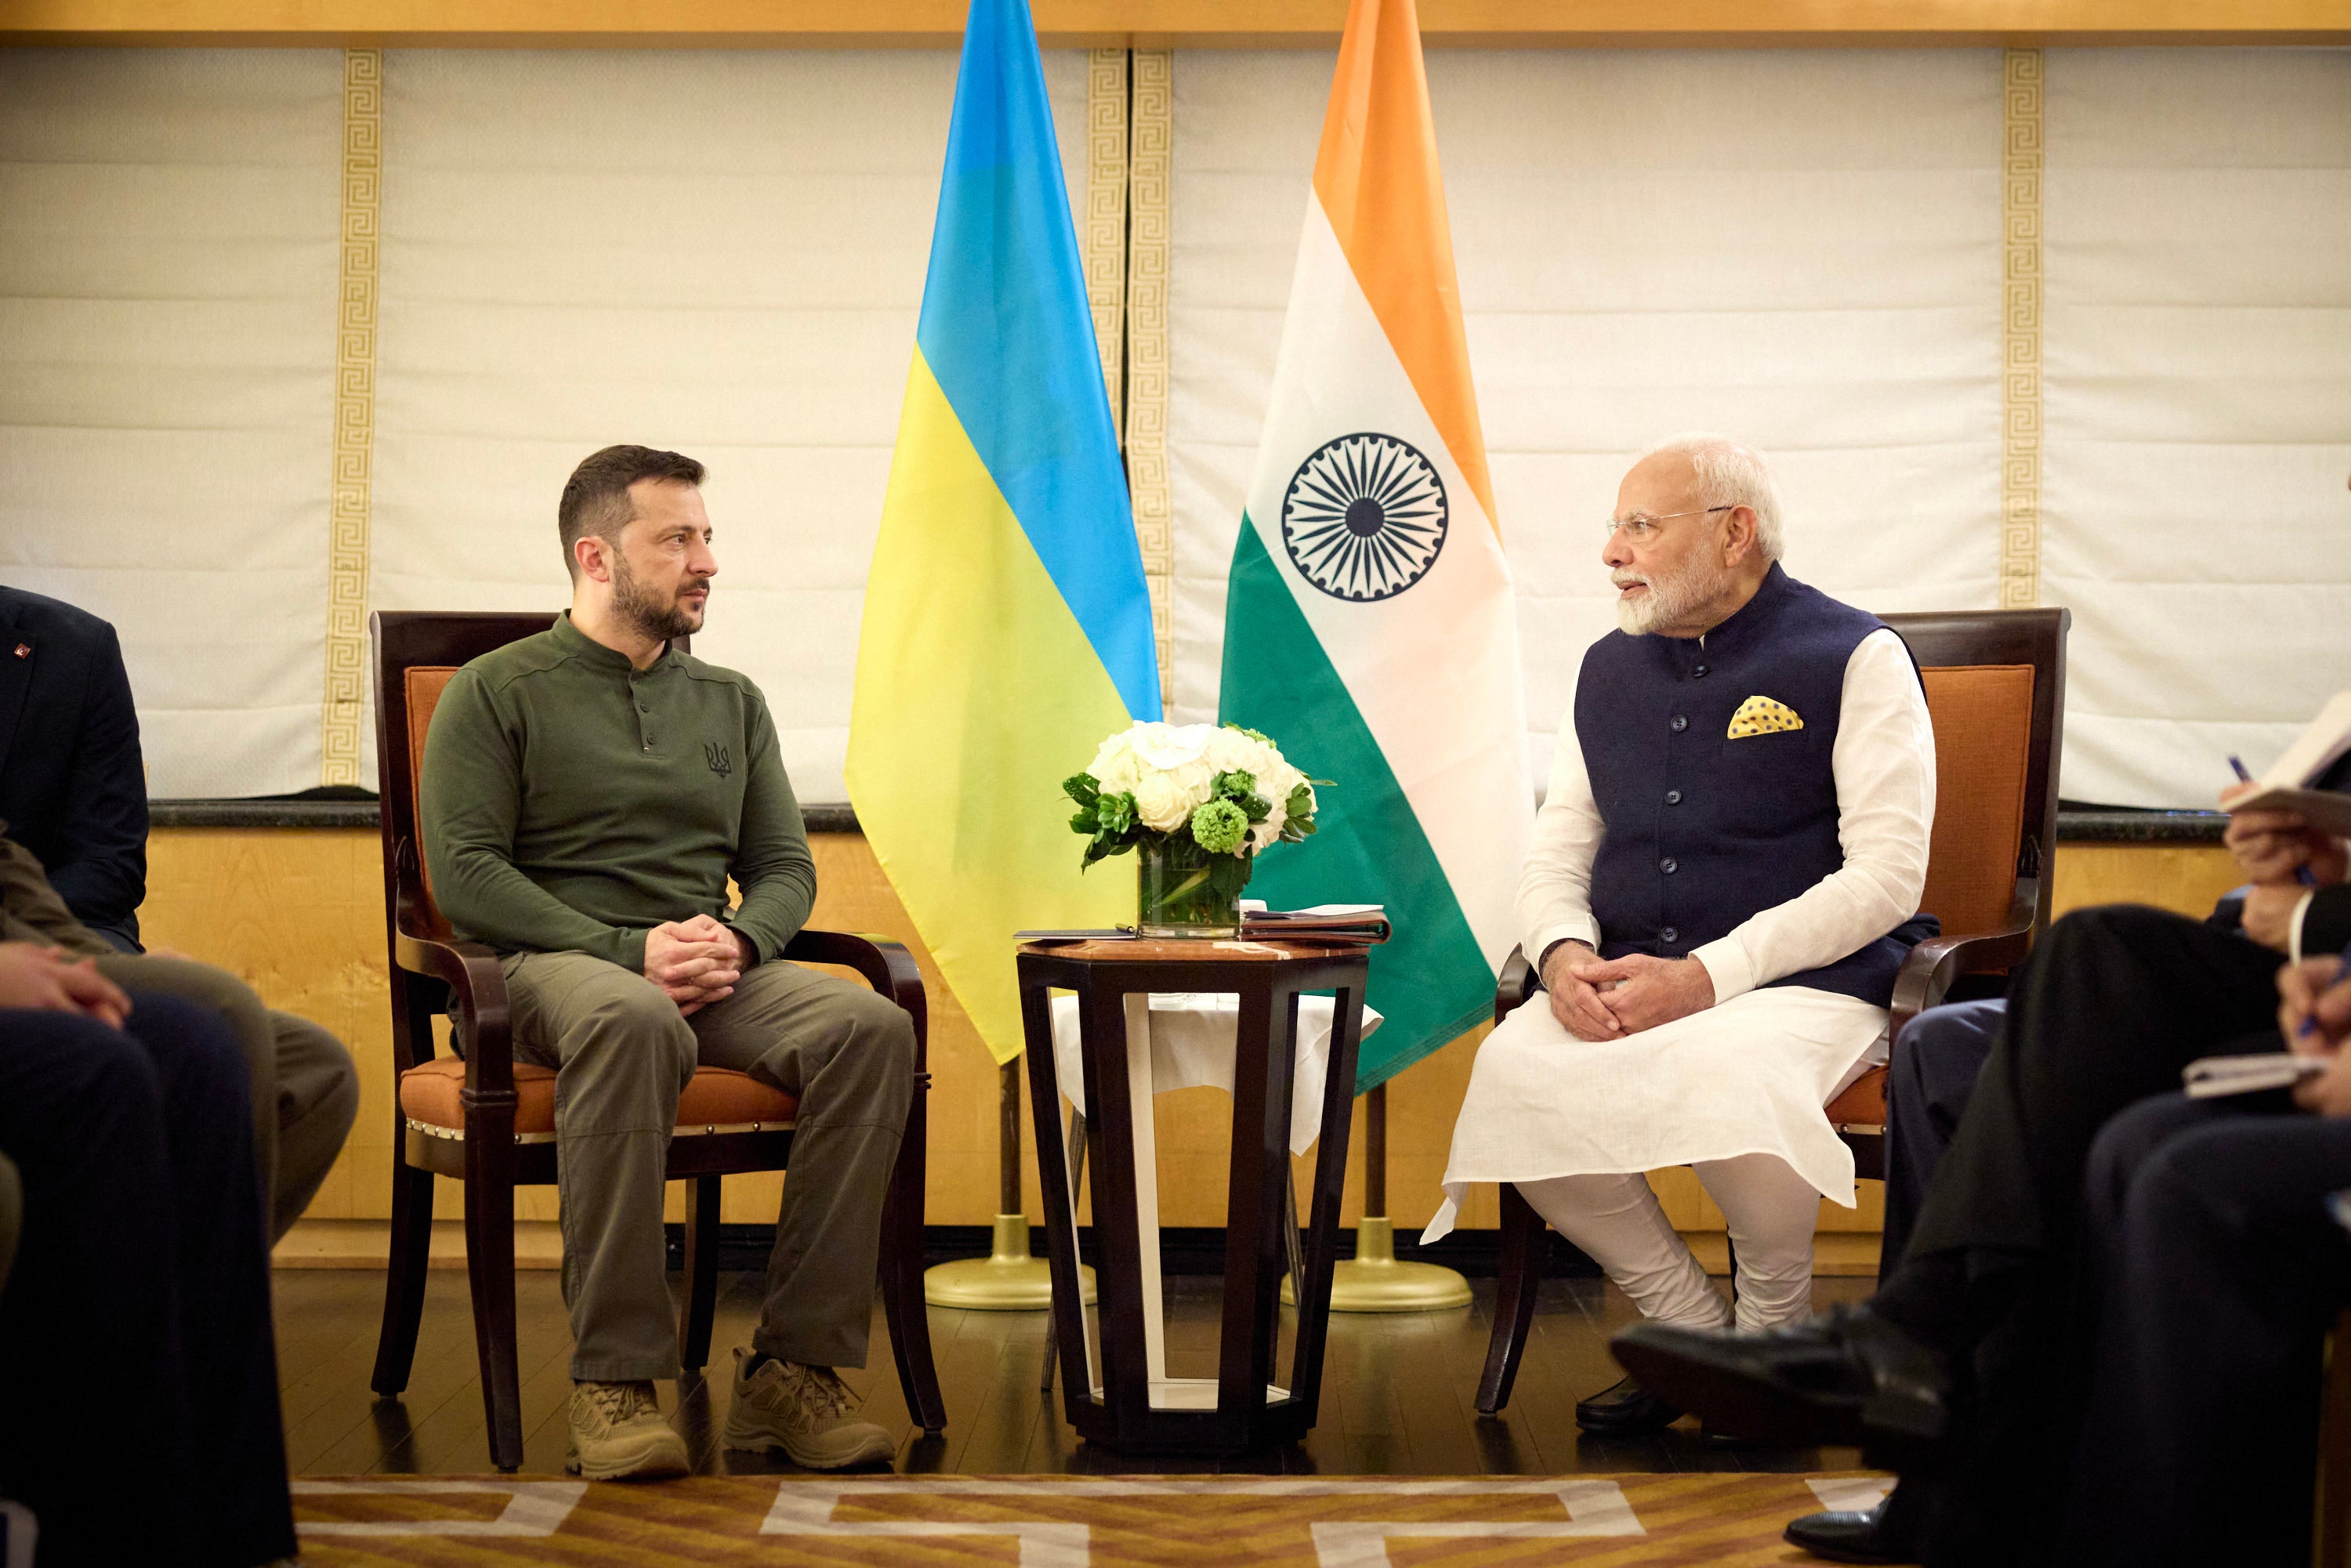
<point>1761,715</point>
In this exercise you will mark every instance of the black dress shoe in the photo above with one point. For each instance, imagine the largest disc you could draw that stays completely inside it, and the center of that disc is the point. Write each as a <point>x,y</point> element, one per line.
<point>1625,1409</point>
<point>1887,1533</point>
<point>1849,1377</point>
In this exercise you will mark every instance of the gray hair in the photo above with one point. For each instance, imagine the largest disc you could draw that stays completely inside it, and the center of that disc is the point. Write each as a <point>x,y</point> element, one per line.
<point>1731,474</point>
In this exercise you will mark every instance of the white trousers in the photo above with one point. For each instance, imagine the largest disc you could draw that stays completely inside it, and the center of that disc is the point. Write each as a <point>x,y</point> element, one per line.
<point>1770,1210</point>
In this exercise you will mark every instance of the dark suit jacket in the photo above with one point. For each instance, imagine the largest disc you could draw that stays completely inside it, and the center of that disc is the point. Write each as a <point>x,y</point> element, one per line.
<point>72,789</point>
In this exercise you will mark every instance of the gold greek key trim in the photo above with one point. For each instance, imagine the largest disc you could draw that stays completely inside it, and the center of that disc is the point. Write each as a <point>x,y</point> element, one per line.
<point>2020,399</point>
<point>1151,147</point>
<point>348,495</point>
<point>1104,243</point>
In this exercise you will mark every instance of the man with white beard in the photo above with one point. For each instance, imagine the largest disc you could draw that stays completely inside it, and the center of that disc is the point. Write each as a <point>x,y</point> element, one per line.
<point>1724,879</point>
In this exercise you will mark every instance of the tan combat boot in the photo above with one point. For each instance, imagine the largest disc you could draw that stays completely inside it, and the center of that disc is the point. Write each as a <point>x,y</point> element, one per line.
<point>805,1411</point>
<point>618,1433</point>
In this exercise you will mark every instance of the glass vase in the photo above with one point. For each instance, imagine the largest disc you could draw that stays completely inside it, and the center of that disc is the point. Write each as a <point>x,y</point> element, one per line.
<point>1182,890</point>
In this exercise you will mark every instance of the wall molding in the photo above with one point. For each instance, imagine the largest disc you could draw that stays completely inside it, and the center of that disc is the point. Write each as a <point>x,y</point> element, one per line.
<point>2022,142</point>
<point>1150,148</point>
<point>350,495</point>
<point>1101,233</point>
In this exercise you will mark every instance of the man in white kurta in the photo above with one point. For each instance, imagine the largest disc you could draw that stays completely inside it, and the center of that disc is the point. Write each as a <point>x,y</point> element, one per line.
<point>1725,877</point>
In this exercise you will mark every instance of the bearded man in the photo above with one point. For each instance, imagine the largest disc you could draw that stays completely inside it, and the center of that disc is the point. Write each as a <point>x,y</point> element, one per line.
<point>1724,880</point>
<point>587,794</point>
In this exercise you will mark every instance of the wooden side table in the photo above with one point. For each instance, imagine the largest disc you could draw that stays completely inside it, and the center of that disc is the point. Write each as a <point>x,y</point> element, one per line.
<point>1137,1407</point>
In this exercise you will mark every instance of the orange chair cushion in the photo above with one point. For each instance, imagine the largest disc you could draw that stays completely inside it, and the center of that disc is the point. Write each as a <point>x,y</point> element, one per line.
<point>718,1097</point>
<point>1862,1103</point>
<point>425,684</point>
<point>1983,734</point>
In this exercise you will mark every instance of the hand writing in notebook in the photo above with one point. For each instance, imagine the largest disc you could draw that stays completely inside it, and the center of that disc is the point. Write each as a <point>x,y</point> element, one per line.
<point>2279,849</point>
<point>2315,1017</point>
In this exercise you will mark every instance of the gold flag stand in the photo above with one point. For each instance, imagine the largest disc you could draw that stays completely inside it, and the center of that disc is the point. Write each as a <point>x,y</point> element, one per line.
<point>1008,1280</point>
<point>1374,1281</point>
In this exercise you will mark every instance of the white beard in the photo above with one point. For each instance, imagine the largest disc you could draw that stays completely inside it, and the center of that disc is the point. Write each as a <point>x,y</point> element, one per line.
<point>1670,599</point>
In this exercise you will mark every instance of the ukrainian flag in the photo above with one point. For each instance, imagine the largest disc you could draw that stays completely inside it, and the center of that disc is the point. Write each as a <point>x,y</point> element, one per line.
<point>1007,626</point>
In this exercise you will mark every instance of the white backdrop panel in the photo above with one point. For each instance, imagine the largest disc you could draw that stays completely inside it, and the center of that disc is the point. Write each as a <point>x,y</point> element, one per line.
<point>719,253</point>
<point>1799,248</point>
<point>2198,398</point>
<point>169,236</point>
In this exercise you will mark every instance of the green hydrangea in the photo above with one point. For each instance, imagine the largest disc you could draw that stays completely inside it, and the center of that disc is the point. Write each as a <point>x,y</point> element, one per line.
<point>1219,826</point>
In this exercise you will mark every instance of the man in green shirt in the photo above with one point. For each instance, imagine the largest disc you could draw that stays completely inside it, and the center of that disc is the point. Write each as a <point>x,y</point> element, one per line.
<point>587,793</point>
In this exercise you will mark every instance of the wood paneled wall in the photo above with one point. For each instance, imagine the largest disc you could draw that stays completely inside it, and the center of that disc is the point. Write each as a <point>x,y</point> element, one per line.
<point>299,914</point>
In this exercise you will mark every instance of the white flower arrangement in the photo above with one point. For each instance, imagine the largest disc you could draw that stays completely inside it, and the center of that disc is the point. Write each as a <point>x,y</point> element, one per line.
<point>1224,790</point>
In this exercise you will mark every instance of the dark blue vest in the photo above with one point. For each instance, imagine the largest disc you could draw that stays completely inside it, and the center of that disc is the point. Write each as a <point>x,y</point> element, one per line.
<point>1701,832</point>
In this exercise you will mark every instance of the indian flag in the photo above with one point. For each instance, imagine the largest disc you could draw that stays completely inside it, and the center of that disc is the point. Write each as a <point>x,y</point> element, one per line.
<point>1369,626</point>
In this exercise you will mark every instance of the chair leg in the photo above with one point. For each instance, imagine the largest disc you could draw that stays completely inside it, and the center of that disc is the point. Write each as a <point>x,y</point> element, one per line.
<point>1514,1301</point>
<point>701,1273</point>
<point>490,1271</point>
<point>901,1275</point>
<point>403,1280</point>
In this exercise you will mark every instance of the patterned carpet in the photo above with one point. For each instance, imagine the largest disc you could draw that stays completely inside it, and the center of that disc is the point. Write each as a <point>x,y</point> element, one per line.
<point>1058,1522</point>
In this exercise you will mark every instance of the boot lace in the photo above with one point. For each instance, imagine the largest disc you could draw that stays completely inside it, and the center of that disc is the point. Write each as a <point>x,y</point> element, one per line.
<point>618,1402</point>
<point>825,1394</point>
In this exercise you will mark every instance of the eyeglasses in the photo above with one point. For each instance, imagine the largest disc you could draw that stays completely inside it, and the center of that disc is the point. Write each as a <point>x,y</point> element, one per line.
<point>1641,528</point>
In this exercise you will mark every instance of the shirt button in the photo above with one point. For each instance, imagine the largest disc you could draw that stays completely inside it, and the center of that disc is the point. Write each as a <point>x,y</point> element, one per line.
<point>1699,672</point>
<point>1679,724</point>
<point>1669,934</point>
<point>1667,865</point>
<point>1672,796</point>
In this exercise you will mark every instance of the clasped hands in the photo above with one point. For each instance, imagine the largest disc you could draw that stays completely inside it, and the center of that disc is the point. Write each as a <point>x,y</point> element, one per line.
<point>1595,998</point>
<point>695,962</point>
<point>44,979</point>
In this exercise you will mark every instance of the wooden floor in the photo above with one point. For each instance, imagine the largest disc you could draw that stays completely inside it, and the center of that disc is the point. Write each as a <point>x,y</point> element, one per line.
<point>1397,1398</point>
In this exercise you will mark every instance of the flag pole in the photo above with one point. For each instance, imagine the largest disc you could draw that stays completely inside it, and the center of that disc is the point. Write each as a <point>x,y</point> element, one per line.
<point>1372,1280</point>
<point>1008,1280</point>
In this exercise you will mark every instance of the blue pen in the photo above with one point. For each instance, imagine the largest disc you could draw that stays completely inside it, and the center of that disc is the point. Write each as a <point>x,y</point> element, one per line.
<point>2301,873</point>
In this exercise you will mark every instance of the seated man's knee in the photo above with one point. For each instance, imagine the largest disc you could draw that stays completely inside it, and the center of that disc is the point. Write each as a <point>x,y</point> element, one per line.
<point>195,1051</point>
<point>881,1040</point>
<point>2190,1174</point>
<point>633,1020</point>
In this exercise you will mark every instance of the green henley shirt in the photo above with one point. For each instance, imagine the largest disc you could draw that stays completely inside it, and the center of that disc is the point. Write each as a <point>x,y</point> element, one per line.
<point>571,802</point>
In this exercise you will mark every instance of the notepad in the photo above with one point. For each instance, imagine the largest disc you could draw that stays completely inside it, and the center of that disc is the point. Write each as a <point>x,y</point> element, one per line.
<point>2212,1077</point>
<point>2284,785</point>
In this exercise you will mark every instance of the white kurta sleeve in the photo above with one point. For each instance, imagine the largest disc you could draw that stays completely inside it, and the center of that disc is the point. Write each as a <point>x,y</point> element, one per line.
<point>1885,766</point>
<point>1555,888</point>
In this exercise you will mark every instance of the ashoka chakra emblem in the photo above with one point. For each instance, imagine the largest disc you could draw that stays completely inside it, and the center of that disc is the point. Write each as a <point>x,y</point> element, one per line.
<point>1364,517</point>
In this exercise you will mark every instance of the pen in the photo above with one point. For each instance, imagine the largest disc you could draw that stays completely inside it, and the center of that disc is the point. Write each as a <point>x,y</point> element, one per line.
<point>2301,873</point>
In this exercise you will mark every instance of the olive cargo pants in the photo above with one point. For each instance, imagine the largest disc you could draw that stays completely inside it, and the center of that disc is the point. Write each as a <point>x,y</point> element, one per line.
<point>622,1053</point>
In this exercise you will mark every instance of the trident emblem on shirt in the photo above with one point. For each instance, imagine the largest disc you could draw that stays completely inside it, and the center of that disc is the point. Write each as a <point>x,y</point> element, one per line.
<point>715,755</point>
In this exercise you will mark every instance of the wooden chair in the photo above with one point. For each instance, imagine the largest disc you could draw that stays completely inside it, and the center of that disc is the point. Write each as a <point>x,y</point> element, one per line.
<point>490,1122</point>
<point>1995,684</point>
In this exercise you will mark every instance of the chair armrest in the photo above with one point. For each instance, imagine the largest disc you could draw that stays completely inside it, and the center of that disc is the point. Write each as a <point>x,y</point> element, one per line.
<point>885,964</point>
<point>1516,984</point>
<point>477,990</point>
<point>1927,972</point>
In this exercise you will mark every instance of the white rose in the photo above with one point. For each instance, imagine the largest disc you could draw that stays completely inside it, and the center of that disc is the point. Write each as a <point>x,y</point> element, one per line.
<point>1264,836</point>
<point>1197,778</point>
<point>1161,802</point>
<point>1168,747</point>
<point>1278,781</point>
<point>1117,776</point>
<point>1230,752</point>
